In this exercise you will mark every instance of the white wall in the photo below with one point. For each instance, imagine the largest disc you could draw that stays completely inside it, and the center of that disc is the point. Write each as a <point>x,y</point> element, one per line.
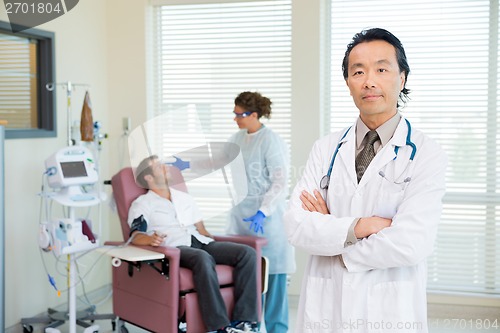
<point>126,66</point>
<point>80,46</point>
<point>305,98</point>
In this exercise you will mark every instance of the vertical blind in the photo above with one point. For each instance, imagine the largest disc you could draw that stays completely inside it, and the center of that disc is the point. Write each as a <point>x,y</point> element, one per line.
<point>18,81</point>
<point>453,52</point>
<point>204,56</point>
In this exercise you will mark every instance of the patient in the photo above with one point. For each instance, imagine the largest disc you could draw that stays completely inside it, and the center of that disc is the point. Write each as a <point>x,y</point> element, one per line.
<point>165,216</point>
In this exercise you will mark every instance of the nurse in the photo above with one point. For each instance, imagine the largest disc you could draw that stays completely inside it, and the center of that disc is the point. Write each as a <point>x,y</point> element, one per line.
<point>266,159</point>
<point>368,205</point>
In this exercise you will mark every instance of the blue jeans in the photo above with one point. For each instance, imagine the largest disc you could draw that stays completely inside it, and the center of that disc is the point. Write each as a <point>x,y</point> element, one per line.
<point>276,304</point>
<point>201,260</point>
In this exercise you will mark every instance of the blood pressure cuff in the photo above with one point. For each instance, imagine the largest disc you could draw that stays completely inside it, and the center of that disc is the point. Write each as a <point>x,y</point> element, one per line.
<point>139,224</point>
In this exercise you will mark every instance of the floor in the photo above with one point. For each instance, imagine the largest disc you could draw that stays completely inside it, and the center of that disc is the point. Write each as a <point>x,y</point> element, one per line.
<point>436,325</point>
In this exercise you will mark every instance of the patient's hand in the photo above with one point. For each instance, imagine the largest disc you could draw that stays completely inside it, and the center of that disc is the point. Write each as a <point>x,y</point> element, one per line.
<point>201,229</point>
<point>314,203</point>
<point>157,238</point>
<point>141,238</point>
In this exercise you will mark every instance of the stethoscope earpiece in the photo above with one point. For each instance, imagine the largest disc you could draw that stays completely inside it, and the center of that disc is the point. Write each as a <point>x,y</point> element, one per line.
<point>406,180</point>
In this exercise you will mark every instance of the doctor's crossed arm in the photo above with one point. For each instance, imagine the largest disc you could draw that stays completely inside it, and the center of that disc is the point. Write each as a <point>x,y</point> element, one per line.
<point>363,227</point>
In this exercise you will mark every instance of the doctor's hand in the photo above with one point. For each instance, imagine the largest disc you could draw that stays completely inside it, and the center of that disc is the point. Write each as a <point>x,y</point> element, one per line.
<point>314,203</point>
<point>367,226</point>
<point>257,222</point>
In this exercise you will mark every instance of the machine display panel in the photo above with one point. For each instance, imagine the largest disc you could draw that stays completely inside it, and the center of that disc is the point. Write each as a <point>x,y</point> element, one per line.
<point>73,169</point>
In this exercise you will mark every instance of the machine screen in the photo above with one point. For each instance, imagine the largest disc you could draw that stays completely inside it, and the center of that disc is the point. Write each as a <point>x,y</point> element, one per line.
<point>73,169</point>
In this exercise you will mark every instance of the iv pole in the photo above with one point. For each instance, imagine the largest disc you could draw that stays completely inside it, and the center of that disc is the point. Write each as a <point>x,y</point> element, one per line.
<point>69,86</point>
<point>71,265</point>
<point>56,318</point>
<point>69,89</point>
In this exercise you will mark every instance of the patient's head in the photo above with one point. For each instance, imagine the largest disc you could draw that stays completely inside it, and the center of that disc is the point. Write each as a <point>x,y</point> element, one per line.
<point>151,173</point>
<point>144,169</point>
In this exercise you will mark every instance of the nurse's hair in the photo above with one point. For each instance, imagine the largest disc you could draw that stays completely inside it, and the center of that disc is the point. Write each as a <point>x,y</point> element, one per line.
<point>144,169</point>
<point>254,102</point>
<point>380,34</point>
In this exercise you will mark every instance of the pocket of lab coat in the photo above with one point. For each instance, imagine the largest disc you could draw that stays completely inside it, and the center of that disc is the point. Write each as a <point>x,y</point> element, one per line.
<point>389,199</point>
<point>319,303</point>
<point>391,305</point>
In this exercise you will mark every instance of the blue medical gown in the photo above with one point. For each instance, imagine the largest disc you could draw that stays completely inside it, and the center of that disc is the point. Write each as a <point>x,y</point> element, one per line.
<point>267,161</point>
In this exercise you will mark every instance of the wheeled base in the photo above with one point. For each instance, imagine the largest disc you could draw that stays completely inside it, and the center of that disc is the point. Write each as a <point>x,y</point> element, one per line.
<point>56,318</point>
<point>90,329</point>
<point>120,326</point>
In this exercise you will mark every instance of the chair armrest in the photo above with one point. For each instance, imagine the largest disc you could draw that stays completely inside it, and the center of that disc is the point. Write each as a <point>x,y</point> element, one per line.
<point>256,242</point>
<point>171,253</point>
<point>168,251</point>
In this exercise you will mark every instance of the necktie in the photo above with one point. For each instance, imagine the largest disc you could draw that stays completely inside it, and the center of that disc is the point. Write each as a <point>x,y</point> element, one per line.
<point>366,155</point>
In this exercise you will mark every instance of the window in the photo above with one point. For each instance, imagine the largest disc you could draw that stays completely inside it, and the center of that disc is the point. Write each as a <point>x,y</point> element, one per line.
<point>204,56</point>
<point>26,66</point>
<point>453,52</point>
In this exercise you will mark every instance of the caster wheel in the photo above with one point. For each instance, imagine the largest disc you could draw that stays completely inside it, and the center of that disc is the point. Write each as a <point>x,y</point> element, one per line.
<point>120,324</point>
<point>92,329</point>
<point>51,330</point>
<point>27,329</point>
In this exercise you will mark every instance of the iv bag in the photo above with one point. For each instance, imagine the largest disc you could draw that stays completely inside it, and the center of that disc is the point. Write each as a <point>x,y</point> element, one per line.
<point>86,122</point>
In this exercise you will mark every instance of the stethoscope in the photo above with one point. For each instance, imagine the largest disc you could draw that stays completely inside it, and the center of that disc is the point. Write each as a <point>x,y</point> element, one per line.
<point>325,181</point>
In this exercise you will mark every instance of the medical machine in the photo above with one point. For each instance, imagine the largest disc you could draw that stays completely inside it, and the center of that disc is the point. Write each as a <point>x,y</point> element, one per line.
<point>72,175</point>
<point>68,171</point>
<point>71,166</point>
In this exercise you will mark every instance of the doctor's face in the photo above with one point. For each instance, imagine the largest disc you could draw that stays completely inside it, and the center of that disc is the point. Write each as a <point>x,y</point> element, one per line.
<point>374,81</point>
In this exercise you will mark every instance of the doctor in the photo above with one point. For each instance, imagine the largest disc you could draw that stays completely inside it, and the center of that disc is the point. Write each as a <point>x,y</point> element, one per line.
<point>368,205</point>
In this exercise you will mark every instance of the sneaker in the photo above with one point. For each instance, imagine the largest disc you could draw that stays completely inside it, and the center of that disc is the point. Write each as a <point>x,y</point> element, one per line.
<point>245,326</point>
<point>229,329</point>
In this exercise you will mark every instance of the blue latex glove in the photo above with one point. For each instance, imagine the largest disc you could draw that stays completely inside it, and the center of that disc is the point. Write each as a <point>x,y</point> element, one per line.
<point>257,222</point>
<point>180,164</point>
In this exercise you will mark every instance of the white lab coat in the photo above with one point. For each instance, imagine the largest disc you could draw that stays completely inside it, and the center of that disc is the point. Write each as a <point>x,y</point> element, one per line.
<point>379,283</point>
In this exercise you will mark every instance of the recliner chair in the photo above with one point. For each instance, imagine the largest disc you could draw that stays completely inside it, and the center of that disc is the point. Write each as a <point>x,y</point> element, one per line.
<point>158,295</point>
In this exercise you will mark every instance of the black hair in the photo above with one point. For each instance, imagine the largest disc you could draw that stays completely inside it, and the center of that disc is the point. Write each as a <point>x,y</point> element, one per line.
<point>374,34</point>
<point>143,169</point>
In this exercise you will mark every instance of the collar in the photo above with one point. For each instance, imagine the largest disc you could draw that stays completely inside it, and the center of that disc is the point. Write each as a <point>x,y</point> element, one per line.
<point>260,130</point>
<point>385,131</point>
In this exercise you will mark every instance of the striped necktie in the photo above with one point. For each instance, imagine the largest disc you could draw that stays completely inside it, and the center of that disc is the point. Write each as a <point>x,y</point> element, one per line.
<point>366,155</point>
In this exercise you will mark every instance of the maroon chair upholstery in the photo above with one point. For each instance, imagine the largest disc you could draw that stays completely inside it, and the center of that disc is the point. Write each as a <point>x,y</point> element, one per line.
<point>158,301</point>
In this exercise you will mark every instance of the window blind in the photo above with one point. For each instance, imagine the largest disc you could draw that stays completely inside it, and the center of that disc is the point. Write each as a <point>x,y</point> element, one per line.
<point>453,52</point>
<point>18,81</point>
<point>204,55</point>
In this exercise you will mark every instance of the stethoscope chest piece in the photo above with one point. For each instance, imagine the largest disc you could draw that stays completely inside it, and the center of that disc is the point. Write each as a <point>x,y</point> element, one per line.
<point>324,182</point>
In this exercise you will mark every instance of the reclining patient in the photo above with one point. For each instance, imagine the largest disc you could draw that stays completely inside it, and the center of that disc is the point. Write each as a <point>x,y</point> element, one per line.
<point>165,216</point>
